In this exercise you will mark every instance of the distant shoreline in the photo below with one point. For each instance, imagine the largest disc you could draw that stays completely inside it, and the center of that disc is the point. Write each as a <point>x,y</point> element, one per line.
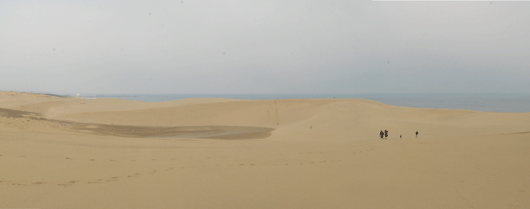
<point>54,95</point>
<point>488,102</point>
<point>477,102</point>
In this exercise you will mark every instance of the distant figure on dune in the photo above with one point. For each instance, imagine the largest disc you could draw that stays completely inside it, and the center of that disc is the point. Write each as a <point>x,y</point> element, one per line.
<point>386,134</point>
<point>416,134</point>
<point>382,134</point>
<point>400,136</point>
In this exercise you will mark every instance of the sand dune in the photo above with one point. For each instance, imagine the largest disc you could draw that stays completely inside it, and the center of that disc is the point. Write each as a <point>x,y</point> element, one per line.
<point>315,153</point>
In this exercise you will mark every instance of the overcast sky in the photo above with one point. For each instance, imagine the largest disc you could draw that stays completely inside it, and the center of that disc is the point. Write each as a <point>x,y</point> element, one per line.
<point>307,46</point>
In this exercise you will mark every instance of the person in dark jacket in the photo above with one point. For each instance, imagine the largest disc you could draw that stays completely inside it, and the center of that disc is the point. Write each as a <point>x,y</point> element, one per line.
<point>416,134</point>
<point>386,134</point>
<point>382,134</point>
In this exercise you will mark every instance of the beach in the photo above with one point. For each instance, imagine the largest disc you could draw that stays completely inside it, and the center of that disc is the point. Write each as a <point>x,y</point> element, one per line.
<point>60,152</point>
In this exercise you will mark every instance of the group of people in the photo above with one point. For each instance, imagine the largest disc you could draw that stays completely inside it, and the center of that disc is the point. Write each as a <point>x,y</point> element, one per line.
<point>384,135</point>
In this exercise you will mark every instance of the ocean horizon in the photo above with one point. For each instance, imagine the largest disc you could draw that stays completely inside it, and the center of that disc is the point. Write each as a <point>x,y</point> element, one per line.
<point>492,102</point>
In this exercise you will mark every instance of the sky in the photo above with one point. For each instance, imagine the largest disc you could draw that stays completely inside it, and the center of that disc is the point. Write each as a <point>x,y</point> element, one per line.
<point>242,47</point>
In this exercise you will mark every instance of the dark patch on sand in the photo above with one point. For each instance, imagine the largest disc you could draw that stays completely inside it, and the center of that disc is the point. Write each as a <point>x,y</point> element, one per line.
<point>206,132</point>
<point>13,113</point>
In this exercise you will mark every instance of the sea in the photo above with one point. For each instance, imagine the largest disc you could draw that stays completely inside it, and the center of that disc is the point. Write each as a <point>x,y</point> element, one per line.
<point>478,102</point>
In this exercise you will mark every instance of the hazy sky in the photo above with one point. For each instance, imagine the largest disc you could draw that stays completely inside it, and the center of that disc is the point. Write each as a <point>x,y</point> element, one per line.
<point>307,46</point>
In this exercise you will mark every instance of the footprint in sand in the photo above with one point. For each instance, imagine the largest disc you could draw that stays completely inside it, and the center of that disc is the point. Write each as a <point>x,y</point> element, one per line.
<point>67,158</point>
<point>115,178</point>
<point>134,175</point>
<point>92,160</point>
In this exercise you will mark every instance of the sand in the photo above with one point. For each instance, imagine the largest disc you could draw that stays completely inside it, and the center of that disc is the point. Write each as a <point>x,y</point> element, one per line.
<point>220,153</point>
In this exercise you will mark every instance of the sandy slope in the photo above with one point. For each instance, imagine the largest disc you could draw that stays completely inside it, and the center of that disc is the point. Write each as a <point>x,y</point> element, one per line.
<point>323,153</point>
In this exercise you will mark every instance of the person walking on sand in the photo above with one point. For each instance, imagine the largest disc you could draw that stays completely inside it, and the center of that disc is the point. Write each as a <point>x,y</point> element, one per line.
<point>416,134</point>
<point>382,134</point>
<point>400,136</point>
<point>386,134</point>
